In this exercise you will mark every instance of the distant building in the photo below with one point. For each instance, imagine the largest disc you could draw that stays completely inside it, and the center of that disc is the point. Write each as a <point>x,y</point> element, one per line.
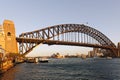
<point>71,56</point>
<point>83,56</point>
<point>95,52</point>
<point>57,55</point>
<point>2,51</point>
<point>90,54</point>
<point>2,37</point>
<point>99,54</point>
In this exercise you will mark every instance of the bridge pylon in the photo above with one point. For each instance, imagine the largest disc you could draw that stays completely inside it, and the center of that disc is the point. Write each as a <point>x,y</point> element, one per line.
<point>118,46</point>
<point>8,37</point>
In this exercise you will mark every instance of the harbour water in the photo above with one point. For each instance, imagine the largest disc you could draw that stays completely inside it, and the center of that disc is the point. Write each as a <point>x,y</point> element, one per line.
<point>66,69</point>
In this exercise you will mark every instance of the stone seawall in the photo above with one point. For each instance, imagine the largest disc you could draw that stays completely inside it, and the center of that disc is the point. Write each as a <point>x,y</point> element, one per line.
<point>6,65</point>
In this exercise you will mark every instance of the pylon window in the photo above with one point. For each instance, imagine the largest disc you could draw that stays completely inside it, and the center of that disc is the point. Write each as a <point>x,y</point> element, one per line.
<point>8,34</point>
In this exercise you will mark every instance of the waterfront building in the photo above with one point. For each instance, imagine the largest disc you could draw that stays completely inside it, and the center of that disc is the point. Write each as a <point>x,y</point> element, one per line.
<point>95,52</point>
<point>83,56</point>
<point>2,38</point>
<point>1,54</point>
<point>90,54</point>
<point>57,55</point>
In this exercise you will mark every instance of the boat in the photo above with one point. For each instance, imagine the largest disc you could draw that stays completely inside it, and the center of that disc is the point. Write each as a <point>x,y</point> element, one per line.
<point>32,60</point>
<point>43,60</point>
<point>109,57</point>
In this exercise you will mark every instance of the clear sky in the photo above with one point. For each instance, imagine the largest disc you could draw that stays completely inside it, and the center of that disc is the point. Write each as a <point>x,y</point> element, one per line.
<point>29,15</point>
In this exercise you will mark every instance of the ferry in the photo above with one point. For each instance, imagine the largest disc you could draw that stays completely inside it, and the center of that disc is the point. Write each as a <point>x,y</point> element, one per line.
<point>43,60</point>
<point>32,60</point>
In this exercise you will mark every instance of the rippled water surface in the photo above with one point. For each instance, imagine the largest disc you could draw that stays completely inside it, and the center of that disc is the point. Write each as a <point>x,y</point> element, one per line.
<point>66,69</point>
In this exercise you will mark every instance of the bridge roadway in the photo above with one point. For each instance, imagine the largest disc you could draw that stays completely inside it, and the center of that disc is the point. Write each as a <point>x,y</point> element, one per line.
<point>56,42</point>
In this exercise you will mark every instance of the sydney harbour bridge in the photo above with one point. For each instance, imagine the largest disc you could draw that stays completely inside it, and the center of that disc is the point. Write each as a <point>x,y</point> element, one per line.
<point>66,34</point>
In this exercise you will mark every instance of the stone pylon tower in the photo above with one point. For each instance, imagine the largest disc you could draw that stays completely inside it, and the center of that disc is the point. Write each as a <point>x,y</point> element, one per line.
<point>118,46</point>
<point>10,43</point>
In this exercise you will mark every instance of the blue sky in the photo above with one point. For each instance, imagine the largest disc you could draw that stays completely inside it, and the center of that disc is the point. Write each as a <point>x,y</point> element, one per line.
<point>30,15</point>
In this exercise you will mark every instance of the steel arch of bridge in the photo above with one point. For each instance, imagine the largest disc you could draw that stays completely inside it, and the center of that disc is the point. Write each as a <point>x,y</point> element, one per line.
<point>29,40</point>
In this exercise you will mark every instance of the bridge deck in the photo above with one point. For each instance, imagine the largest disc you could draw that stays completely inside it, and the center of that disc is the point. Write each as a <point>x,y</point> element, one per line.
<point>56,42</point>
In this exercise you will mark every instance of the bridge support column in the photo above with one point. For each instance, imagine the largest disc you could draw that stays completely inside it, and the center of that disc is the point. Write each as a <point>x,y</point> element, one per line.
<point>8,36</point>
<point>118,46</point>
